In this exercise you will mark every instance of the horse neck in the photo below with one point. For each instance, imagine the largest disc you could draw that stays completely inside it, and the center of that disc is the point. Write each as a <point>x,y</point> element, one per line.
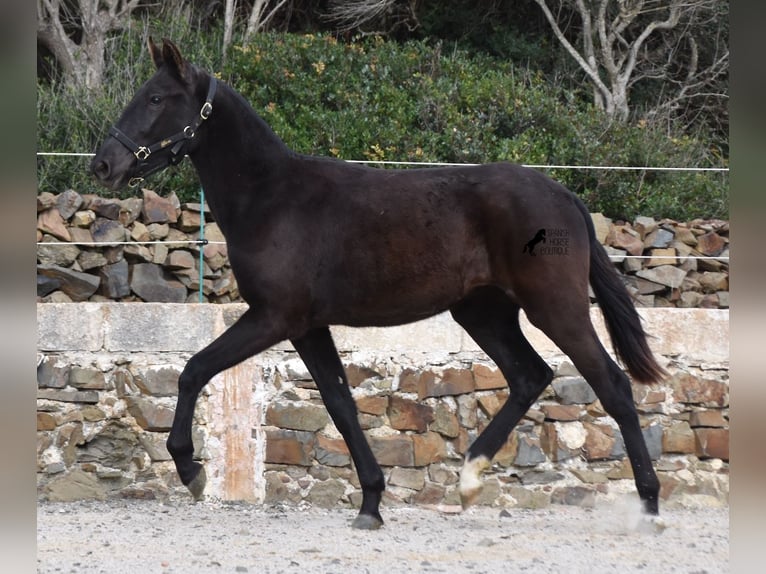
<point>237,150</point>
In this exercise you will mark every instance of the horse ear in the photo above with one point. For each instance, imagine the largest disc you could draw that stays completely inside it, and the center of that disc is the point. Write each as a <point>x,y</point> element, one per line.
<point>154,52</point>
<point>171,56</point>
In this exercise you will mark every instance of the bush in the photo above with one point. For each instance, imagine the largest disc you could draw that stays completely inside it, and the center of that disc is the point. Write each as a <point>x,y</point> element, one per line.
<point>378,100</point>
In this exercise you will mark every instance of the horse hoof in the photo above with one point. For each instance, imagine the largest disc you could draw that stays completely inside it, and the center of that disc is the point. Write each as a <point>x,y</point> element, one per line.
<point>367,522</point>
<point>651,525</point>
<point>470,481</point>
<point>469,496</point>
<point>197,486</point>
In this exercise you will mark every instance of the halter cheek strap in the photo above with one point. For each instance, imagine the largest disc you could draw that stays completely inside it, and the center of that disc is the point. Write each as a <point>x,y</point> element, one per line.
<point>176,142</point>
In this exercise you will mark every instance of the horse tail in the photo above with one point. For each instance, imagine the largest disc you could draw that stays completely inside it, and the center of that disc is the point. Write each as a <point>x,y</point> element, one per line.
<point>622,320</point>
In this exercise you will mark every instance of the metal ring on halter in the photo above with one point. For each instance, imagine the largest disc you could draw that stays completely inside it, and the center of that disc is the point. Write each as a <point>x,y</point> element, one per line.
<point>189,132</point>
<point>206,110</point>
<point>142,153</point>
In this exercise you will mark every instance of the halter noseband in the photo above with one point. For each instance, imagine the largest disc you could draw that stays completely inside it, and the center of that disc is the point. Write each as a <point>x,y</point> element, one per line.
<point>178,140</point>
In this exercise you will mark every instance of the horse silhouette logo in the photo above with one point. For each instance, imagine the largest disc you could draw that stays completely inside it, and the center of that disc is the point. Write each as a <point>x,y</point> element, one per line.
<point>529,246</point>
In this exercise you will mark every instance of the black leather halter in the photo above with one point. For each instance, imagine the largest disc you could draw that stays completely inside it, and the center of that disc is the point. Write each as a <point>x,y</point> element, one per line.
<point>176,142</point>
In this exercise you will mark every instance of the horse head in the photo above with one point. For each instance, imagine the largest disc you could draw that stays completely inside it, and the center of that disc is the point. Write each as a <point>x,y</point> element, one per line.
<point>159,126</point>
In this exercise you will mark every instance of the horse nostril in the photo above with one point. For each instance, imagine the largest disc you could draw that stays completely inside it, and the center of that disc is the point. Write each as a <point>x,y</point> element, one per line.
<point>101,170</point>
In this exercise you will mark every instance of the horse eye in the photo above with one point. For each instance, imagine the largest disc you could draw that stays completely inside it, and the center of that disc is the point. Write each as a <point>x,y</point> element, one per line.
<point>155,100</point>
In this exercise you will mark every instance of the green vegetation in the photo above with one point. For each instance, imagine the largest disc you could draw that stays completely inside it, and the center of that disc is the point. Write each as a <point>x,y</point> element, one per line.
<point>412,101</point>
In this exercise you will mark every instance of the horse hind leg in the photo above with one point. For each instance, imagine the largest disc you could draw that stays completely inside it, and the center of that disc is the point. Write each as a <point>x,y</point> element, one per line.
<point>318,352</point>
<point>574,334</point>
<point>492,320</point>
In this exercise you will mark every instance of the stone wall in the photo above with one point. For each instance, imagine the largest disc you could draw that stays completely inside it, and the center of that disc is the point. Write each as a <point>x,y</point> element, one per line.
<point>107,376</point>
<point>164,267</point>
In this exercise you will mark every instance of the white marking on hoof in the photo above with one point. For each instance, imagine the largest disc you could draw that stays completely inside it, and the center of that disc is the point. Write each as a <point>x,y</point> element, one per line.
<point>651,524</point>
<point>470,481</point>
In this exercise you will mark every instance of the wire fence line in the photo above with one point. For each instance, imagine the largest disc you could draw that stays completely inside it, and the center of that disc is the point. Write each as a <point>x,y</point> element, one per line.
<point>453,164</point>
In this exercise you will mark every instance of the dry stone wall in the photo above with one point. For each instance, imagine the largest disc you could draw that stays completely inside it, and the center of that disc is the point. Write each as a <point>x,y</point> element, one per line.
<point>107,379</point>
<point>164,266</point>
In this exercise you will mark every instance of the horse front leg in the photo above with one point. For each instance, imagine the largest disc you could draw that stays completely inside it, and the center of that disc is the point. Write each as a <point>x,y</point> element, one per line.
<point>248,336</point>
<point>318,352</point>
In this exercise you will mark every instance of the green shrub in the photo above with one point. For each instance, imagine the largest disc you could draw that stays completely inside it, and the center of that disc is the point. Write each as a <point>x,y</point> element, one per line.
<point>378,100</point>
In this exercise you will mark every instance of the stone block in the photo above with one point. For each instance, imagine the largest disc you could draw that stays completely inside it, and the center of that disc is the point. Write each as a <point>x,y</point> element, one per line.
<point>691,389</point>
<point>712,443</point>
<point>529,453</point>
<point>667,275</point>
<point>65,327</point>
<point>157,327</point>
<point>707,418</point>
<point>372,404</point>
<point>149,414</point>
<point>87,378</point>
<point>357,374</point>
<point>415,381</point>
<point>156,209</point>
<point>331,451</point>
<point>710,244</point>
<point>326,493</point>
<point>78,286</point>
<point>108,231</point>
<point>46,421</point>
<point>68,396</point>
<point>445,421</point>
<point>289,447</point>
<point>662,257</point>
<point>491,403</point>
<point>428,448</point>
<point>487,378</point>
<point>412,478</point>
<point>678,438</point>
<point>105,207</point>
<point>296,415</point>
<point>653,439</point>
<point>58,253</point>
<point>573,390</point>
<point>602,225</point>
<point>115,446</point>
<point>150,282</point>
<point>599,441</point>
<point>114,280</point>
<point>51,222</point>
<point>557,412</point>
<point>52,372</point>
<point>157,381</point>
<point>406,414</point>
<point>75,485</point>
<point>574,496</point>
<point>451,382</point>
<point>395,450</point>
<point>68,202</point>
<point>622,237</point>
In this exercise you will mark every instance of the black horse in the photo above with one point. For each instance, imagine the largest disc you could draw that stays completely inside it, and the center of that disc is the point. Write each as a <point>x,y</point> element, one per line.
<point>315,242</point>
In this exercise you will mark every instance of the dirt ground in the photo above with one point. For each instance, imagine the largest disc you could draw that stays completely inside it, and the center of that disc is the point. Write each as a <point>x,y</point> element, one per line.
<point>212,536</point>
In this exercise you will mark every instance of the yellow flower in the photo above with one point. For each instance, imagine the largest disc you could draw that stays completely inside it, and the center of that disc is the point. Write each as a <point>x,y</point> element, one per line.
<point>319,67</point>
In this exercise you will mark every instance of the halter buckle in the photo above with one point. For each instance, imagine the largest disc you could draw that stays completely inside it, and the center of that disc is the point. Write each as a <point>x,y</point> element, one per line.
<point>142,153</point>
<point>206,110</point>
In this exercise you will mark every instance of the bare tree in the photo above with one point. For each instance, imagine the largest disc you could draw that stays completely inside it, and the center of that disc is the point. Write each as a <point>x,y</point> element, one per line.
<point>617,48</point>
<point>355,14</point>
<point>57,21</point>
<point>261,12</point>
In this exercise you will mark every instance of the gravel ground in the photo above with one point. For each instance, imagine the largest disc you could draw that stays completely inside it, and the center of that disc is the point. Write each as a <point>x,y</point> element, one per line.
<point>213,536</point>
